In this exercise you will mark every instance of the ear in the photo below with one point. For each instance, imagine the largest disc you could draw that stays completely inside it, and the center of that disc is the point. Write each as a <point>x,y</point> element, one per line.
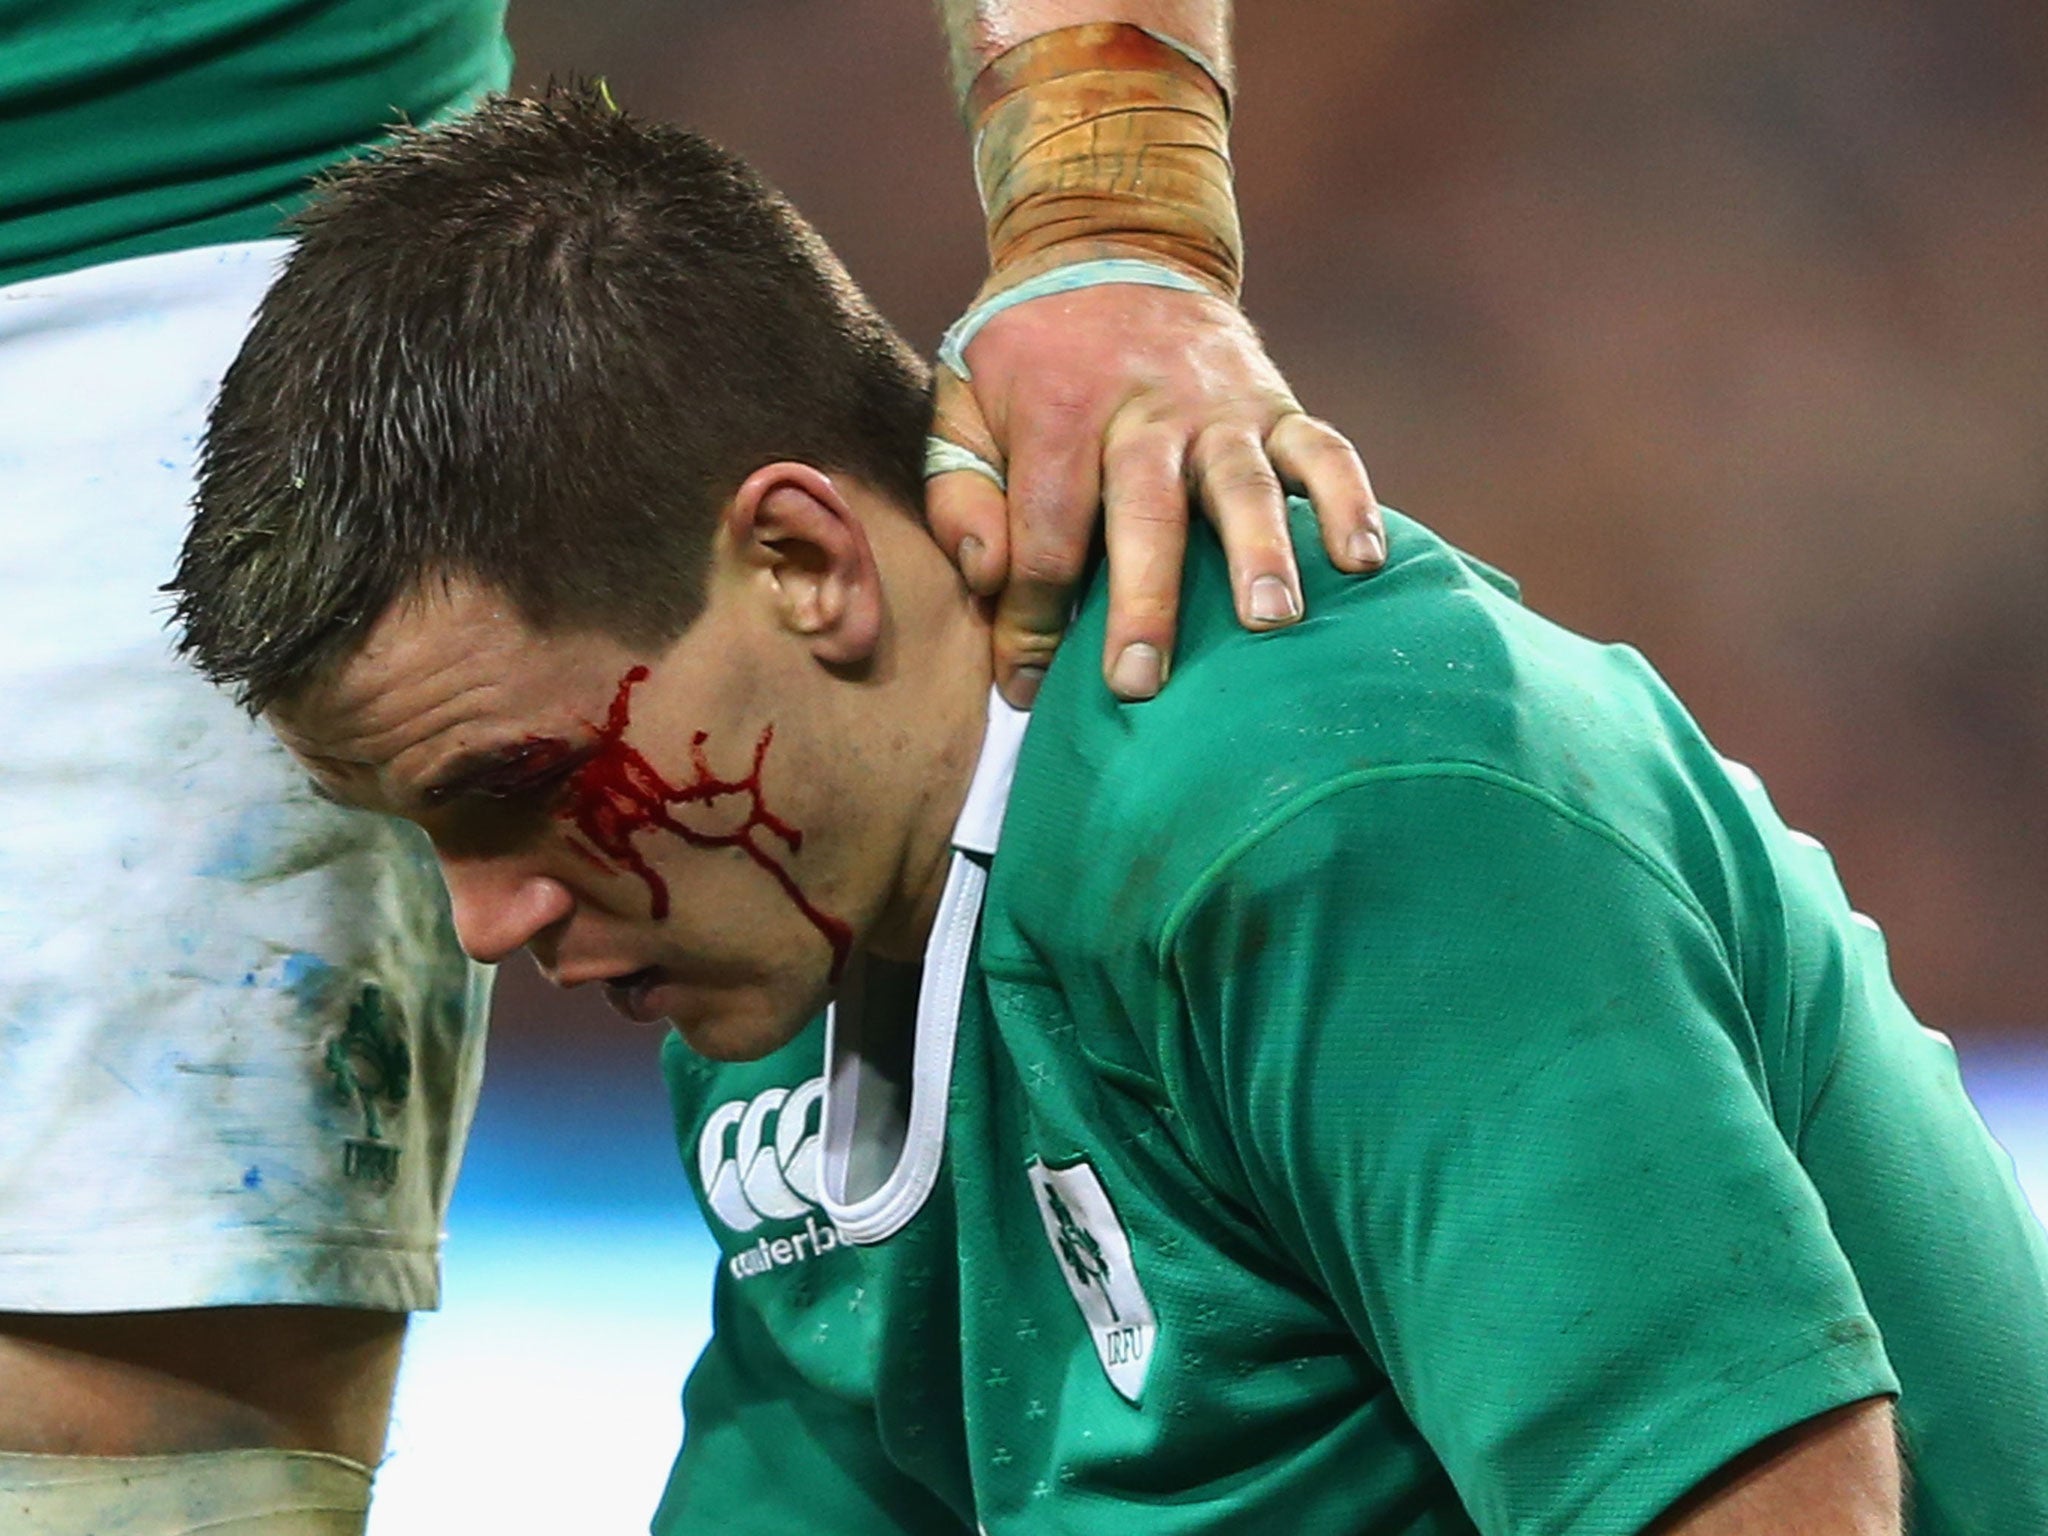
<point>795,530</point>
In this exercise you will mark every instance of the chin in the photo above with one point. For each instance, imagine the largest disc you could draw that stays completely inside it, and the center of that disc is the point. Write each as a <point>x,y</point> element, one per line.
<point>740,1036</point>
<point>716,1042</point>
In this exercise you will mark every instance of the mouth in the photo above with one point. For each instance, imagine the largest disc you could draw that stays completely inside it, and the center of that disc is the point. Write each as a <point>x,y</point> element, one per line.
<point>632,995</point>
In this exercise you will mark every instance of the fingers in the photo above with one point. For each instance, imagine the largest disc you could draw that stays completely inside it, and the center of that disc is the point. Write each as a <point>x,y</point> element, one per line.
<point>1143,394</point>
<point>1031,615</point>
<point>1315,458</point>
<point>1055,488</point>
<point>1146,530</point>
<point>1243,499</point>
<point>969,513</point>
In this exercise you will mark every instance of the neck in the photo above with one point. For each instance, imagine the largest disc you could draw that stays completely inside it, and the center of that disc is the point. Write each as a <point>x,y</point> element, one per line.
<point>940,677</point>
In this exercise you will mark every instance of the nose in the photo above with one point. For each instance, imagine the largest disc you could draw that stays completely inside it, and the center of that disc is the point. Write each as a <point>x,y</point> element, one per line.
<point>500,907</point>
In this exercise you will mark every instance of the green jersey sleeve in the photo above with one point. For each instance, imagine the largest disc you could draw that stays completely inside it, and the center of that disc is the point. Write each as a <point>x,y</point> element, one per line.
<point>1486,1070</point>
<point>1930,1211</point>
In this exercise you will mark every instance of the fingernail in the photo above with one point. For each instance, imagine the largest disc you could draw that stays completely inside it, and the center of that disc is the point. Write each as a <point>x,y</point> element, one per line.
<point>1023,689</point>
<point>1139,672</point>
<point>968,556</point>
<point>1366,548</point>
<point>1273,601</point>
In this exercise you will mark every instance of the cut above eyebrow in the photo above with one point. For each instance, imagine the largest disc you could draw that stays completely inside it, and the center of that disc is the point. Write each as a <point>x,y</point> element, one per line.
<point>473,770</point>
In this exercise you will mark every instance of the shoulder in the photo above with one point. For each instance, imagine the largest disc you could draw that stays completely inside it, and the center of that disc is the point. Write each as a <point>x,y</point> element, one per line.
<point>1431,671</point>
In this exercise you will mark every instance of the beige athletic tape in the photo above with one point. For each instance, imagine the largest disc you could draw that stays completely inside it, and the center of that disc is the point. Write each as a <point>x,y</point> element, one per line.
<point>223,1493</point>
<point>1103,141</point>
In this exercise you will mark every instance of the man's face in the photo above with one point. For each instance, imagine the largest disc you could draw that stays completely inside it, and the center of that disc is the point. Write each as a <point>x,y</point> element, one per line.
<point>633,820</point>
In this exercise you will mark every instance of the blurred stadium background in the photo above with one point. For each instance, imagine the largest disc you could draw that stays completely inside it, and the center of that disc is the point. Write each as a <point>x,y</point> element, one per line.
<point>1722,326</point>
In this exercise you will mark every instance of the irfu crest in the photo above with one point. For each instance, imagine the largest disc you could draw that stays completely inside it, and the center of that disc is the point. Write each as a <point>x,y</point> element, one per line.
<point>1094,1253</point>
<point>370,1061</point>
<point>1078,1250</point>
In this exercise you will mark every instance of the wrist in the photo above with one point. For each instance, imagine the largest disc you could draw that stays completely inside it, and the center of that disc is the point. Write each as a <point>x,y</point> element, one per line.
<point>1074,271</point>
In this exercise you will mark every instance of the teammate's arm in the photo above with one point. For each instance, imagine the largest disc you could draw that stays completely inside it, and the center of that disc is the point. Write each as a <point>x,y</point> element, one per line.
<point>978,30</point>
<point>1835,1475</point>
<point>1107,143</point>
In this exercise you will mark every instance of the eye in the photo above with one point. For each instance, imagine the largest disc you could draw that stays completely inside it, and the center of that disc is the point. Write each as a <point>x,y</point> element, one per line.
<point>523,782</point>
<point>504,807</point>
<point>521,787</point>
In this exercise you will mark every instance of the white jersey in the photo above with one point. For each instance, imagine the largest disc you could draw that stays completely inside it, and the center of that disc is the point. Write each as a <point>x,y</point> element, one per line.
<point>240,1046</point>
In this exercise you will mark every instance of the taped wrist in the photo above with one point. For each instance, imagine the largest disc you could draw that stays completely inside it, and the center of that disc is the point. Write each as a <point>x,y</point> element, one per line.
<point>1103,141</point>
<point>220,1493</point>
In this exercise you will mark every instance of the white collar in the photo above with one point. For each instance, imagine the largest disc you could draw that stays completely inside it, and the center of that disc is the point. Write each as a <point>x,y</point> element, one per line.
<point>948,956</point>
<point>980,824</point>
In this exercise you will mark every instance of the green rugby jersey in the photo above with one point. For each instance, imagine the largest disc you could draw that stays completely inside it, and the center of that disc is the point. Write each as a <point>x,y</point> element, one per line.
<point>128,128</point>
<point>1405,1082</point>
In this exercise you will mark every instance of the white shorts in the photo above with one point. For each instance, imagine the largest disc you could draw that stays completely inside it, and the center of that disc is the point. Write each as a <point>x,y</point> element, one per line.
<point>238,1045</point>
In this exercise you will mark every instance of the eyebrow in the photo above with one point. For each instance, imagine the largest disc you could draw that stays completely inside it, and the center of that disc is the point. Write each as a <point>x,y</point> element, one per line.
<point>322,792</point>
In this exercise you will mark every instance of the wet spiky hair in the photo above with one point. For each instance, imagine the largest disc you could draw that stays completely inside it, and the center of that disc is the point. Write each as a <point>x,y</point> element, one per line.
<point>538,347</point>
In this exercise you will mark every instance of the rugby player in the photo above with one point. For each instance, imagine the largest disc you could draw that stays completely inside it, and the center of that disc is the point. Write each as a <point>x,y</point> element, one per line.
<point>1399,1079</point>
<point>241,1042</point>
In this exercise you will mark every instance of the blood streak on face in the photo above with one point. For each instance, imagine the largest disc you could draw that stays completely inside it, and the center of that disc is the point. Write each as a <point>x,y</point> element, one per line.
<point>618,792</point>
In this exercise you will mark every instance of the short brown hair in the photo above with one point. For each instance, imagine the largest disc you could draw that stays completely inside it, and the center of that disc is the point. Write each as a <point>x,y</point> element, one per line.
<point>537,347</point>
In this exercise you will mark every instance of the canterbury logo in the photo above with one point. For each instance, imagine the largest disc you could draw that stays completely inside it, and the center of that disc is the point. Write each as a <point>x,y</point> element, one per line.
<point>757,1159</point>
